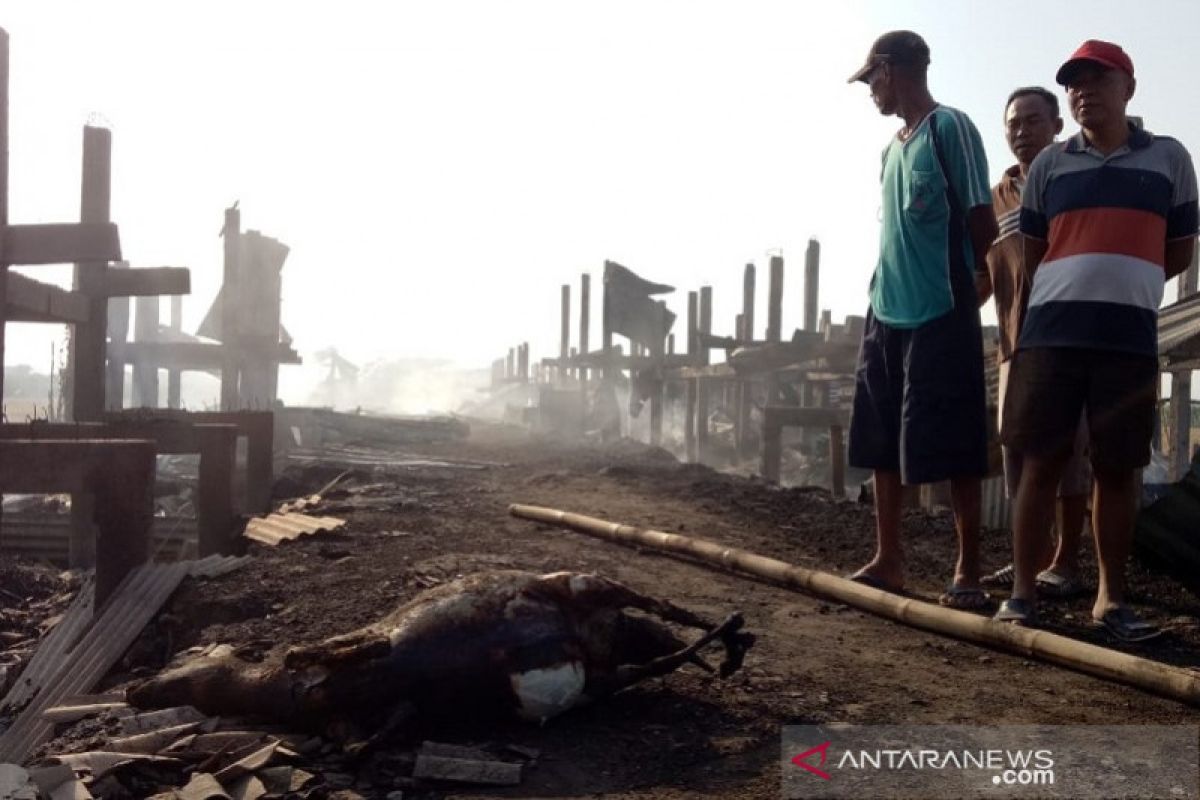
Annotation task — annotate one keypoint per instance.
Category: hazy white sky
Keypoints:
(440, 168)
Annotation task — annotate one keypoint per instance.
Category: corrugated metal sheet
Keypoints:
(133, 604)
(276, 528)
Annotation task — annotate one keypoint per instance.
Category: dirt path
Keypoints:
(688, 734)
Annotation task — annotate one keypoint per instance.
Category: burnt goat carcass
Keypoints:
(507, 642)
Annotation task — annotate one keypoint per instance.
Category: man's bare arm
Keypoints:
(1034, 251)
(1179, 255)
(981, 226)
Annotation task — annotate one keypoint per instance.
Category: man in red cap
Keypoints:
(1108, 216)
(920, 412)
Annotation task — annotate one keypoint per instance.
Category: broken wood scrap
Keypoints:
(463, 770)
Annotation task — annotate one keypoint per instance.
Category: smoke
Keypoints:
(408, 386)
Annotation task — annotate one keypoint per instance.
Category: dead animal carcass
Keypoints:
(507, 642)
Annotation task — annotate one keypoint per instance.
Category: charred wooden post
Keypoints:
(837, 462)
(214, 511)
(774, 321)
(585, 322)
(564, 341)
(745, 387)
(523, 362)
(174, 376)
(118, 332)
(690, 393)
(89, 339)
(703, 395)
(812, 277)
(703, 387)
(1181, 394)
(775, 301)
(145, 373)
(230, 332)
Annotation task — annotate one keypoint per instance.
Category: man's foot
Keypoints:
(1124, 624)
(1017, 611)
(1002, 578)
(1058, 585)
(965, 598)
(867, 578)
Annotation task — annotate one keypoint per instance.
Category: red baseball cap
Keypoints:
(1106, 54)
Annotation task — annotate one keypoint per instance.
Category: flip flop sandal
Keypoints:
(1052, 584)
(965, 598)
(1002, 578)
(1017, 612)
(1124, 624)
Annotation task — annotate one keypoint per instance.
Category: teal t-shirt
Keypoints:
(912, 279)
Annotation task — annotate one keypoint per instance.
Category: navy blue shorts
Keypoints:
(920, 404)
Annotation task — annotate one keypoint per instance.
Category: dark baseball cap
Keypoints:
(1095, 51)
(894, 47)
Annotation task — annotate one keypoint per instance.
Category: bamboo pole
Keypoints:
(1163, 679)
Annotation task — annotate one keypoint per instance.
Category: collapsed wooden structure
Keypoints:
(764, 385)
(105, 458)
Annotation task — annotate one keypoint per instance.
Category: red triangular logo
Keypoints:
(799, 760)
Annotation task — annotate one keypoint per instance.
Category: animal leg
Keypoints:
(338, 651)
(592, 591)
(401, 715)
(627, 675)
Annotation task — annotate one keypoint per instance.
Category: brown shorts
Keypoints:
(1049, 387)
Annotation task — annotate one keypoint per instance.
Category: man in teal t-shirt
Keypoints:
(919, 411)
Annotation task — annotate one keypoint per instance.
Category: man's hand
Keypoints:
(1179, 255)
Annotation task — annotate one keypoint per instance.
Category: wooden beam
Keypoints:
(148, 281)
(61, 243)
(34, 301)
(187, 356)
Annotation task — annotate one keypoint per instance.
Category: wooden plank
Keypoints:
(30, 300)
(61, 243)
(148, 281)
(188, 356)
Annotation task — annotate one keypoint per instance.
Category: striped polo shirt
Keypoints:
(1106, 221)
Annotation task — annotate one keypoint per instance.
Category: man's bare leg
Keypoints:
(887, 567)
(1113, 506)
(1032, 513)
(1071, 512)
(965, 501)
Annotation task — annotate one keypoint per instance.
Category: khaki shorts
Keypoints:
(1077, 474)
